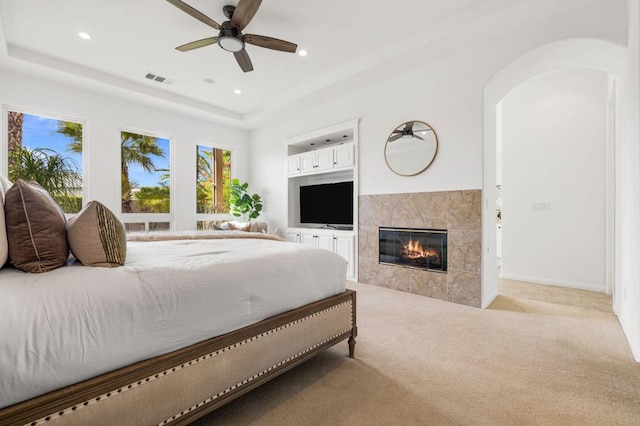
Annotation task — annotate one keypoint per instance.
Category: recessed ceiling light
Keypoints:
(84, 36)
(302, 52)
(208, 80)
(237, 92)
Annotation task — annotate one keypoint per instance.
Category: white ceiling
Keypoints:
(131, 38)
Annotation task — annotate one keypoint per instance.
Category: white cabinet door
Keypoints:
(343, 245)
(343, 156)
(293, 165)
(308, 238)
(293, 236)
(324, 159)
(307, 162)
(325, 241)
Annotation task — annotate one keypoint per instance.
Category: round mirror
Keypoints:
(411, 148)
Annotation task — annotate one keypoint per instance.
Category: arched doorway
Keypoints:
(568, 54)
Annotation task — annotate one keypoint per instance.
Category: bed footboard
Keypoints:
(181, 386)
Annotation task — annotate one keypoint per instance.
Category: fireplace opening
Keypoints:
(413, 248)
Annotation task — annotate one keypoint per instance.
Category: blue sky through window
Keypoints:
(41, 132)
(143, 178)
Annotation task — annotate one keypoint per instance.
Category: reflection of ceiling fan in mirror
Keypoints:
(407, 132)
(230, 37)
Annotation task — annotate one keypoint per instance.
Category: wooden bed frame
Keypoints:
(181, 386)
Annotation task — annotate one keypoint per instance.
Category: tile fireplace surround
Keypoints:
(460, 212)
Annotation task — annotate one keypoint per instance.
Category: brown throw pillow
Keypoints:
(35, 228)
(96, 237)
(4, 243)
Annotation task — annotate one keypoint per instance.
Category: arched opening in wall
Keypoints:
(535, 112)
(551, 182)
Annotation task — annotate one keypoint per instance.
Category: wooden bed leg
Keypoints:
(354, 329)
(352, 347)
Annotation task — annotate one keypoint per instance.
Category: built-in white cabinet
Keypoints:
(339, 242)
(324, 156)
(321, 160)
(343, 156)
(293, 235)
(293, 165)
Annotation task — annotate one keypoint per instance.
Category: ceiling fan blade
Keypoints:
(195, 13)
(243, 60)
(417, 137)
(409, 126)
(394, 138)
(198, 43)
(270, 43)
(244, 13)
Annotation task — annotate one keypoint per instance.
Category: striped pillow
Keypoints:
(35, 228)
(96, 237)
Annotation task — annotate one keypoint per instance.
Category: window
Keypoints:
(145, 173)
(48, 151)
(213, 179)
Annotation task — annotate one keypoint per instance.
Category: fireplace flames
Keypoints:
(414, 250)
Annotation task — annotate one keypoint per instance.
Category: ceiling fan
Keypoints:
(230, 37)
(406, 132)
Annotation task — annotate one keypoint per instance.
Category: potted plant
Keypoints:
(243, 204)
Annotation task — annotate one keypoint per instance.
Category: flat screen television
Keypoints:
(327, 204)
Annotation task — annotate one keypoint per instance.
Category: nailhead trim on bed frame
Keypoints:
(202, 358)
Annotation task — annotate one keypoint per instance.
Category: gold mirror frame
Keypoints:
(411, 148)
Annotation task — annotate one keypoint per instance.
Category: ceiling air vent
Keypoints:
(159, 78)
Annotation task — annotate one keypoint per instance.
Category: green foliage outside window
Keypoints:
(153, 199)
(142, 151)
(213, 180)
(32, 157)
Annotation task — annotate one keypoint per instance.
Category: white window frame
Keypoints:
(213, 217)
(4, 154)
(147, 218)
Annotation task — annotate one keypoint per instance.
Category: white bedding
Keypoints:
(73, 323)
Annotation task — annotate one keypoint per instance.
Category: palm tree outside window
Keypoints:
(48, 151)
(145, 173)
(213, 179)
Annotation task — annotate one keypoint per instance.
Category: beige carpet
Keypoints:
(421, 361)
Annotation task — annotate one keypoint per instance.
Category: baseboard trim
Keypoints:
(634, 344)
(489, 298)
(559, 283)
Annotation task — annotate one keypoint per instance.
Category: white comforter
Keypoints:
(64, 326)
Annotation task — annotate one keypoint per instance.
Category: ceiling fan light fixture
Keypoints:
(231, 44)
(230, 39)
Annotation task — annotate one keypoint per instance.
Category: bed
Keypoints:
(186, 325)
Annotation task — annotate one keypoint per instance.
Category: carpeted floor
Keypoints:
(528, 359)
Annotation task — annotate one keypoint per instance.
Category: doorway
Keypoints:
(551, 180)
(570, 54)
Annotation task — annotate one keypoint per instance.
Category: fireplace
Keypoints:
(413, 248)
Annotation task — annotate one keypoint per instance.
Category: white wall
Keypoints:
(446, 93)
(105, 116)
(553, 180)
(627, 286)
